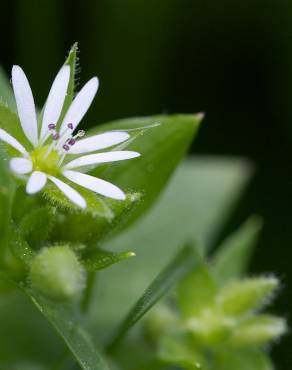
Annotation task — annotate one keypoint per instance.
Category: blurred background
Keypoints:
(232, 60)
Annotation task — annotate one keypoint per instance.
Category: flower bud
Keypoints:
(241, 297)
(259, 330)
(57, 273)
(210, 327)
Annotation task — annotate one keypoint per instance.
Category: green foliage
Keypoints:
(99, 259)
(161, 148)
(173, 272)
(51, 250)
(176, 348)
(216, 323)
(66, 322)
(233, 255)
(196, 290)
(36, 226)
(242, 360)
(9, 122)
(6, 93)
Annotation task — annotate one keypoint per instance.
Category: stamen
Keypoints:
(62, 139)
(50, 148)
(66, 147)
(71, 141)
(51, 127)
(56, 136)
(61, 159)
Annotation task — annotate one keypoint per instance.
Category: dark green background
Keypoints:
(230, 59)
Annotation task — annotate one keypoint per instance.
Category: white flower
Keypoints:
(49, 158)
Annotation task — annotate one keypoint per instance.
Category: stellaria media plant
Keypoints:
(65, 204)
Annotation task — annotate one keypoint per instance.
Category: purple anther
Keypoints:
(51, 126)
(66, 147)
(71, 141)
(70, 126)
(56, 136)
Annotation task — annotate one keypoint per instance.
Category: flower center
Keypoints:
(45, 160)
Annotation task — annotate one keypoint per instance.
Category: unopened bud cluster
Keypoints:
(225, 327)
(233, 317)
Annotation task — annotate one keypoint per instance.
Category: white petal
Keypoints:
(4, 136)
(97, 185)
(98, 142)
(91, 159)
(20, 165)
(36, 182)
(80, 104)
(55, 100)
(25, 104)
(69, 192)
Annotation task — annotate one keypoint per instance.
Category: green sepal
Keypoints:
(101, 217)
(241, 297)
(258, 330)
(19, 247)
(100, 259)
(233, 255)
(96, 206)
(197, 290)
(210, 327)
(36, 226)
(178, 348)
(72, 62)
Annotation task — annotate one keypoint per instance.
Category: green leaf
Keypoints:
(26, 337)
(66, 322)
(7, 191)
(169, 276)
(195, 206)
(161, 148)
(99, 259)
(243, 360)
(233, 255)
(196, 291)
(6, 92)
